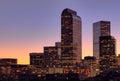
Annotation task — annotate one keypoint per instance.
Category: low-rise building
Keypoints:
(52, 55)
(37, 59)
(91, 61)
(8, 61)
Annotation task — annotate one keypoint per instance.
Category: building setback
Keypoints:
(107, 53)
(71, 37)
(52, 55)
(101, 28)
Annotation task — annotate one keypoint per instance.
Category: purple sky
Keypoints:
(28, 25)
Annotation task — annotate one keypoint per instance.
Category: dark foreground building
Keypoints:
(8, 61)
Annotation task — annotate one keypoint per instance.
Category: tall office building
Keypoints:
(101, 28)
(107, 53)
(71, 37)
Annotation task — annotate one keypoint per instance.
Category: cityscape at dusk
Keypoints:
(27, 26)
(59, 40)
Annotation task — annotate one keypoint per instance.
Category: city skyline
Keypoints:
(27, 27)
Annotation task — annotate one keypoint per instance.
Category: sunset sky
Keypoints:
(28, 25)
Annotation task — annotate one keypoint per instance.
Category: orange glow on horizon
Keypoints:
(21, 52)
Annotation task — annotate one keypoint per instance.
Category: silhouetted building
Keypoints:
(107, 53)
(52, 55)
(37, 59)
(109, 75)
(101, 28)
(8, 61)
(71, 37)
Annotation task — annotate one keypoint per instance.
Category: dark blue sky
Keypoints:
(28, 25)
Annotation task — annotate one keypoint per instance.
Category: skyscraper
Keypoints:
(101, 28)
(107, 53)
(71, 37)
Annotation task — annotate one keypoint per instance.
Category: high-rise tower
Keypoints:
(71, 37)
(107, 53)
(101, 28)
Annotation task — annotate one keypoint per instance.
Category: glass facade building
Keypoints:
(107, 53)
(71, 37)
(101, 28)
